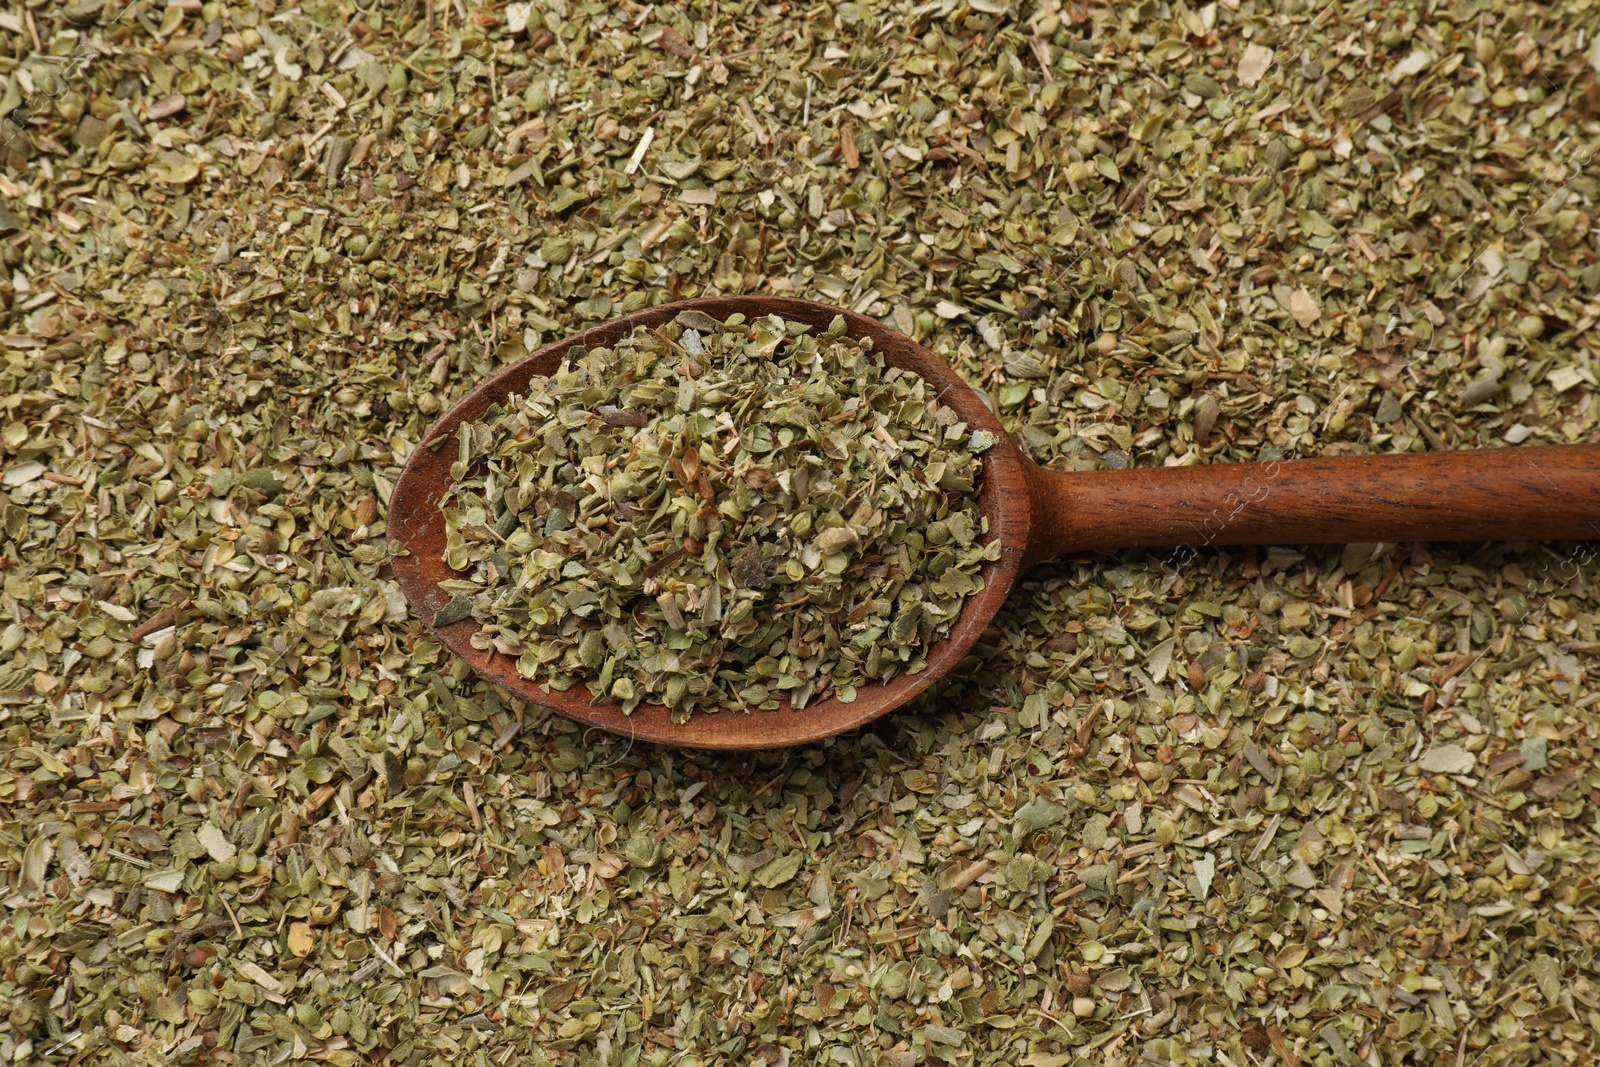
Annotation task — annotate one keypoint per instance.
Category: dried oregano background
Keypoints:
(1216, 807)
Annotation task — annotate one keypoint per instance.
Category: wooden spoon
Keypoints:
(1505, 493)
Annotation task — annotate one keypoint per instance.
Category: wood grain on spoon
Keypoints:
(1516, 494)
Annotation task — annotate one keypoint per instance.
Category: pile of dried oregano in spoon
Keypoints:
(717, 515)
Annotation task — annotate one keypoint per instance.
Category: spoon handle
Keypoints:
(1518, 494)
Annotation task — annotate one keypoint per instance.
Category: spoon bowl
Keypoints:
(1546, 492)
(416, 522)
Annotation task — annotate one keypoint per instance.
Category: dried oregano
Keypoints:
(718, 515)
